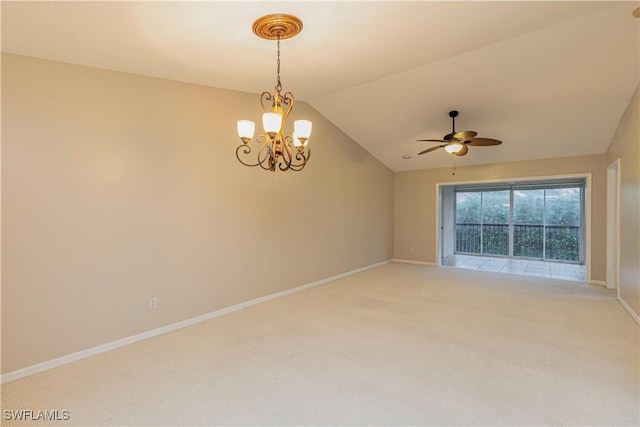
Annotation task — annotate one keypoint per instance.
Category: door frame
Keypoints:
(613, 226)
(587, 211)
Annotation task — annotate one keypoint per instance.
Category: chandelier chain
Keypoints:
(278, 85)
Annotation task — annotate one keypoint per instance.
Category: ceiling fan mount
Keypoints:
(458, 143)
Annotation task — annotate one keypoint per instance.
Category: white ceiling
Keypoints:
(550, 79)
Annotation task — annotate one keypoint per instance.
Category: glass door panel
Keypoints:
(495, 222)
(528, 223)
(468, 217)
(562, 221)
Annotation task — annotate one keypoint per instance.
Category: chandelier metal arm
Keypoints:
(265, 155)
(266, 97)
(302, 158)
(287, 156)
(285, 168)
(246, 150)
(287, 100)
(299, 160)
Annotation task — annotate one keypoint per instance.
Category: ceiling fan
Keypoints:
(458, 142)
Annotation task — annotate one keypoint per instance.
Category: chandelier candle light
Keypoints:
(275, 149)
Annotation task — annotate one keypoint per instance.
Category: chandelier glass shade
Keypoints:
(275, 149)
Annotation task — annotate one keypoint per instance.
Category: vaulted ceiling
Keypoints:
(549, 79)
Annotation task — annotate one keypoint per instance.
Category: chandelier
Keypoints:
(275, 150)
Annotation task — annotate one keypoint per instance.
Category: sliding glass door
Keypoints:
(539, 222)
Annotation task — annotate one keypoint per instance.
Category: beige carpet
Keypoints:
(398, 345)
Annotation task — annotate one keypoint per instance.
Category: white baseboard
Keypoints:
(410, 261)
(54, 363)
(632, 313)
(597, 282)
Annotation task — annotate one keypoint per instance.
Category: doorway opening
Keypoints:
(525, 227)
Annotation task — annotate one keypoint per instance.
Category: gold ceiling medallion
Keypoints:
(275, 149)
(270, 27)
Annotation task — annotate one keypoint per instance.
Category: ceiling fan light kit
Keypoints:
(458, 143)
(453, 147)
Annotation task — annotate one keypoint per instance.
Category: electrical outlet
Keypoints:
(153, 303)
(411, 250)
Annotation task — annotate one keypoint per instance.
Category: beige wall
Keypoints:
(626, 147)
(415, 202)
(117, 188)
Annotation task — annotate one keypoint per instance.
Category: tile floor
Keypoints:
(555, 270)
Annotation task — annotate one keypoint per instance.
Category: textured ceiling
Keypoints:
(550, 79)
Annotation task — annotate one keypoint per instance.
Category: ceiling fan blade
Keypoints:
(480, 142)
(464, 150)
(430, 140)
(431, 149)
(465, 135)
